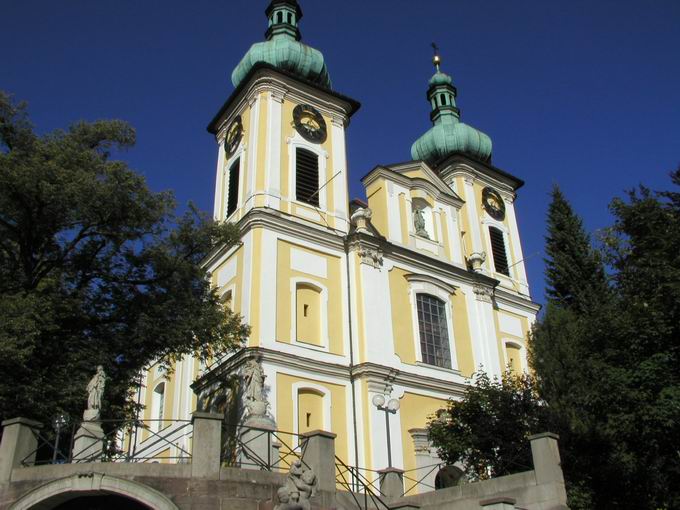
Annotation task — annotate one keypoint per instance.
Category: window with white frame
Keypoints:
(434, 331)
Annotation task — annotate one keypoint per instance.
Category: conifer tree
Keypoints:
(574, 271)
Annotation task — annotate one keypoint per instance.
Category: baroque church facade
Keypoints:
(399, 299)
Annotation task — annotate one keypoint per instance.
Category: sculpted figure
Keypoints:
(299, 489)
(95, 389)
(419, 223)
(254, 376)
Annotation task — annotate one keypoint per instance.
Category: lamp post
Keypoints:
(391, 408)
(58, 422)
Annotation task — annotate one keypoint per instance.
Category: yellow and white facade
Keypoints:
(398, 296)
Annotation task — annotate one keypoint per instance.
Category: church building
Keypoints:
(366, 317)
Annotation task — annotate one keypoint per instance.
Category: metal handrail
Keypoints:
(359, 484)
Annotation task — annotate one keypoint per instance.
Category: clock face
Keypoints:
(493, 204)
(309, 123)
(233, 138)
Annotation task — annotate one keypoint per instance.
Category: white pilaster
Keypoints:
(252, 157)
(268, 266)
(272, 179)
(517, 255)
(341, 182)
(219, 181)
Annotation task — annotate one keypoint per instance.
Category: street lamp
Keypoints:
(58, 422)
(391, 408)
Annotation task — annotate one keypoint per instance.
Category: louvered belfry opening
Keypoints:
(500, 259)
(232, 197)
(307, 177)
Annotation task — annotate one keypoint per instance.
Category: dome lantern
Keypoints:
(283, 48)
(449, 134)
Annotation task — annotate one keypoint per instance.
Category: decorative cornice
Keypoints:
(436, 187)
(423, 278)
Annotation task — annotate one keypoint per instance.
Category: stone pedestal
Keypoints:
(392, 483)
(19, 444)
(206, 445)
(88, 443)
(257, 442)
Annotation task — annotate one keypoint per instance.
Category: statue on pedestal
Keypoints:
(95, 391)
(419, 223)
(254, 398)
(299, 489)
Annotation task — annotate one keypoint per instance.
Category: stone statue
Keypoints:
(95, 390)
(419, 223)
(299, 489)
(254, 398)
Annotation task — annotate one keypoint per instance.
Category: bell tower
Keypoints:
(281, 135)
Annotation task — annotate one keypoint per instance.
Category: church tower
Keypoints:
(366, 318)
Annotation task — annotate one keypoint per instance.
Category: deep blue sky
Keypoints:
(581, 93)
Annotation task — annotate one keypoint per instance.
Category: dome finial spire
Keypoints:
(436, 60)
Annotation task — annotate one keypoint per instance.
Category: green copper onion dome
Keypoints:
(283, 48)
(449, 134)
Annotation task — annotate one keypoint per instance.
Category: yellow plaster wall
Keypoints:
(284, 299)
(376, 192)
(285, 408)
(523, 340)
(256, 284)
(236, 280)
(461, 330)
(402, 321)
(415, 411)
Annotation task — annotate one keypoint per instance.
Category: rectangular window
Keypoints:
(307, 177)
(434, 333)
(232, 198)
(500, 259)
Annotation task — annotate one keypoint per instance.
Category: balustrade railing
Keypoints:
(114, 441)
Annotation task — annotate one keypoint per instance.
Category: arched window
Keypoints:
(308, 314)
(500, 257)
(158, 405)
(310, 410)
(434, 332)
(513, 353)
(279, 17)
(232, 192)
(290, 18)
(307, 176)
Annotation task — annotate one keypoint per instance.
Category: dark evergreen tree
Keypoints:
(574, 272)
(94, 269)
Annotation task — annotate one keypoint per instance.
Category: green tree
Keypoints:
(95, 269)
(575, 275)
(488, 429)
